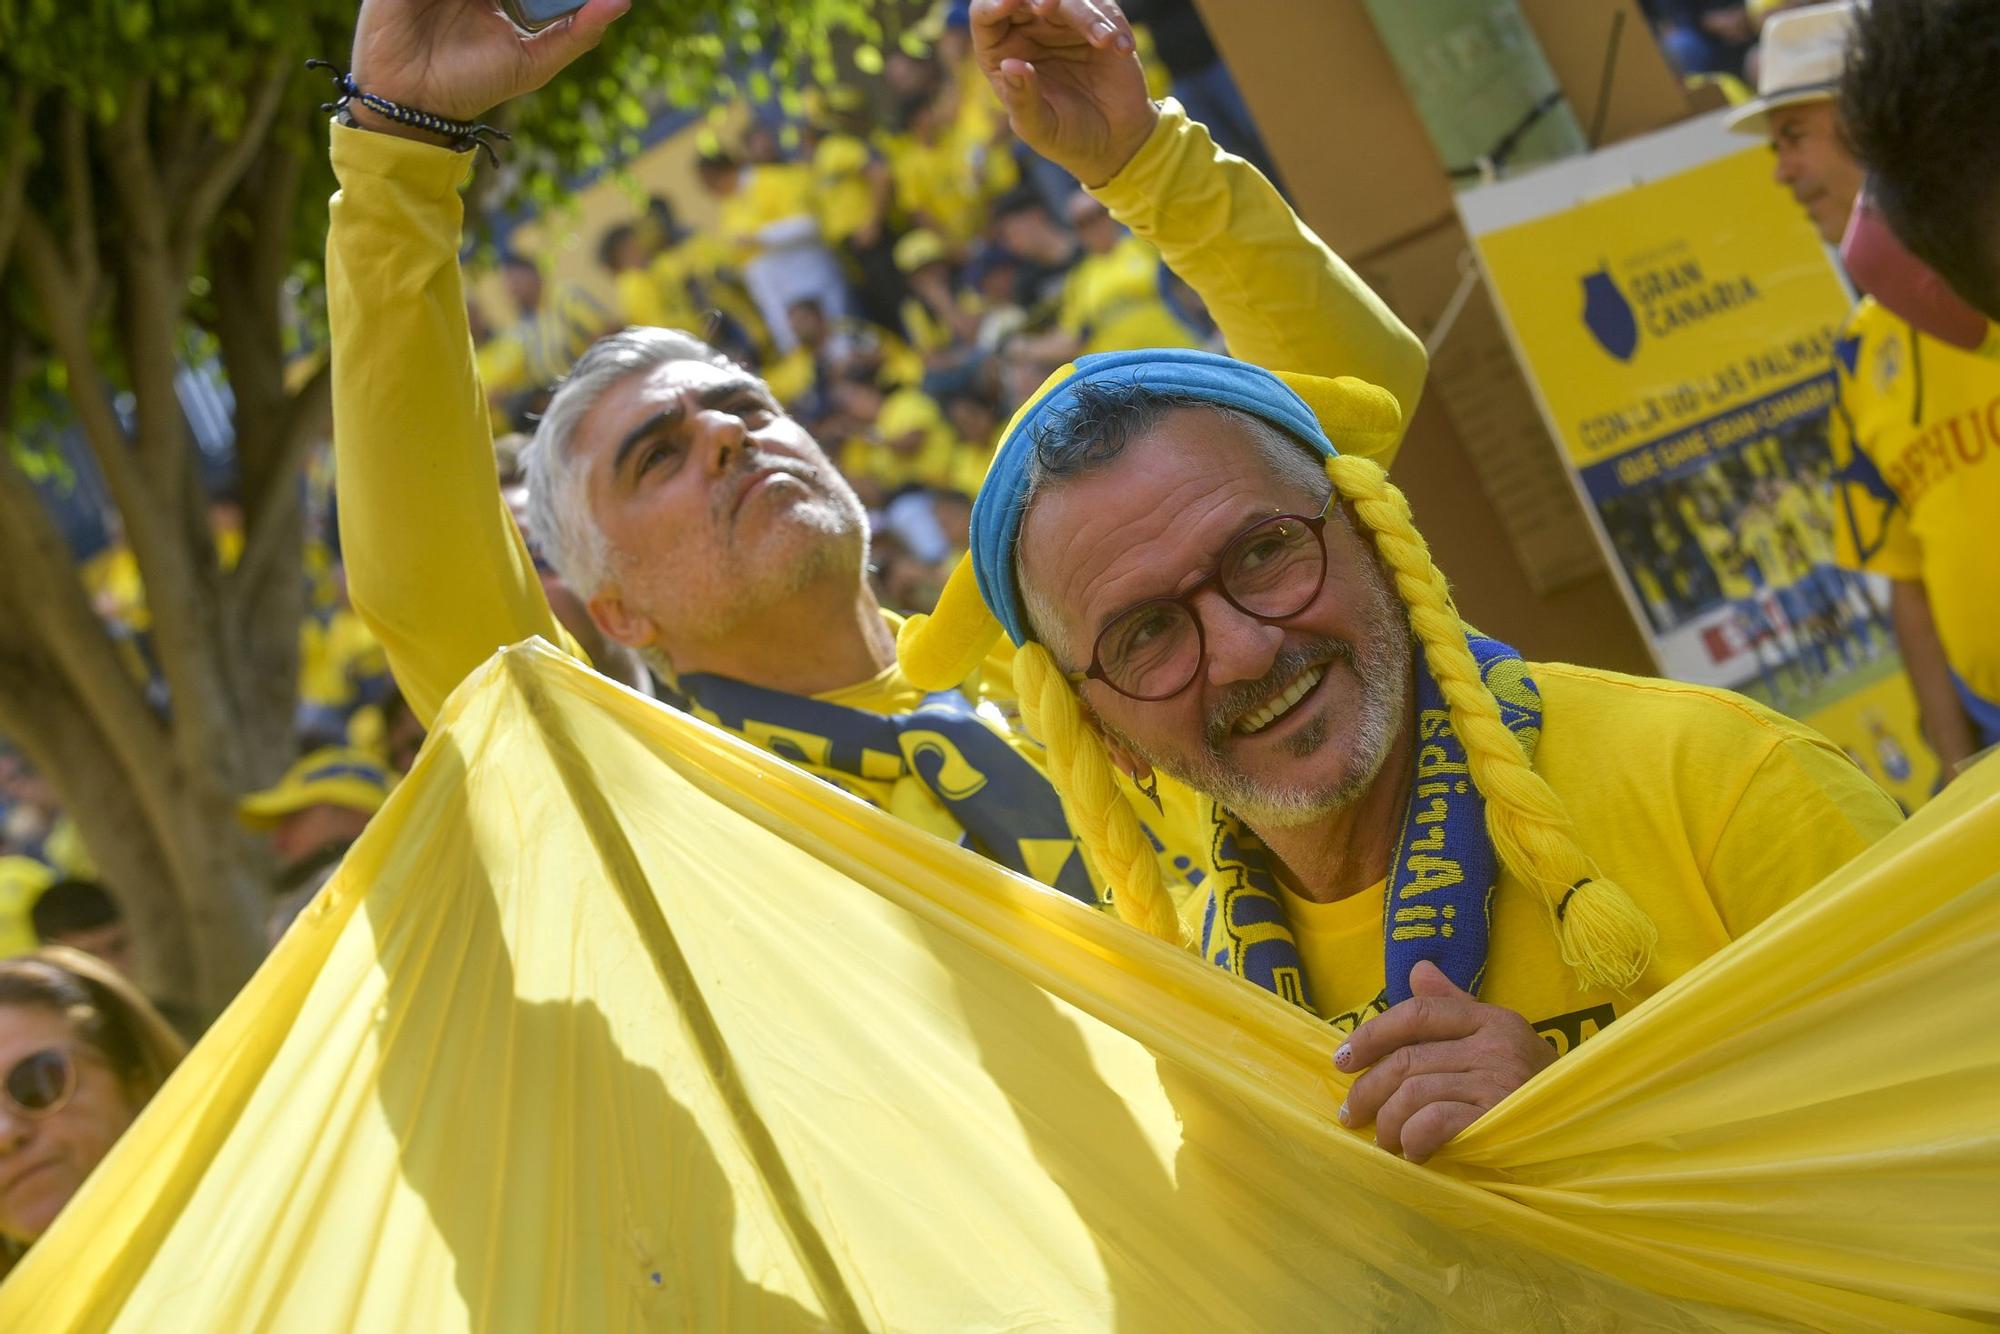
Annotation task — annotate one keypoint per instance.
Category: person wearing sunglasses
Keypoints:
(81, 1051)
(1464, 862)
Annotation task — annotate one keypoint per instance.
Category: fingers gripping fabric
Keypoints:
(1604, 935)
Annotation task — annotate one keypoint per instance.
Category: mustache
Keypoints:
(1245, 697)
(722, 497)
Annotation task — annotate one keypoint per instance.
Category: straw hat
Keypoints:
(1802, 56)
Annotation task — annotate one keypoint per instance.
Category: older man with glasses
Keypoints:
(1469, 862)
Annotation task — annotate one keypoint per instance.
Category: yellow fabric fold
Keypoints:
(613, 1022)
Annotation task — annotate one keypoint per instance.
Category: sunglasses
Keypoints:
(40, 1084)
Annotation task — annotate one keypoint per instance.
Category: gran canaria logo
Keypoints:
(1658, 299)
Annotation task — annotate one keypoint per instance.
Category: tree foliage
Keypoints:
(163, 188)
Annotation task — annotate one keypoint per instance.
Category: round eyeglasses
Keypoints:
(1154, 649)
(40, 1083)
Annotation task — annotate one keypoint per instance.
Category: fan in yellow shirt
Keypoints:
(913, 446)
(704, 528)
(1917, 443)
(945, 167)
(1112, 298)
(767, 216)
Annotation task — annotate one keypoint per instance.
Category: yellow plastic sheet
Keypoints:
(612, 1022)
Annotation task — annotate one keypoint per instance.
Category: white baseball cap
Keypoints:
(1803, 53)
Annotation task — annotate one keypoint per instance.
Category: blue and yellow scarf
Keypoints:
(1006, 807)
(1438, 905)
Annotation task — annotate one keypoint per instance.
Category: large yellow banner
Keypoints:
(1677, 315)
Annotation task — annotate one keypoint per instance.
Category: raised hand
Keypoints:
(1066, 72)
(461, 58)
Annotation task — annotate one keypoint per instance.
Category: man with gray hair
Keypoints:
(702, 526)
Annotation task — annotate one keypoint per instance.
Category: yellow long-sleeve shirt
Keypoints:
(434, 562)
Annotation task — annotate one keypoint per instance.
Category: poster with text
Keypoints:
(1676, 316)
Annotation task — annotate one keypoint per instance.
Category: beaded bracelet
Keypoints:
(465, 135)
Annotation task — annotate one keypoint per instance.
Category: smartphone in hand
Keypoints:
(534, 15)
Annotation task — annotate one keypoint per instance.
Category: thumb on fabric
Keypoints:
(1427, 979)
(1358, 417)
(941, 650)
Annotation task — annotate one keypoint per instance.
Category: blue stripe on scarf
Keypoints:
(1005, 805)
(1439, 899)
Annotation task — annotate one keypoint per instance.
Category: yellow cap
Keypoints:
(333, 776)
(917, 249)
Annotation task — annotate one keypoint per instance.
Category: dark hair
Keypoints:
(1101, 420)
(72, 905)
(609, 245)
(514, 261)
(1021, 200)
(1921, 108)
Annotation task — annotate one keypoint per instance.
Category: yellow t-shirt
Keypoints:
(947, 183)
(1710, 810)
(1925, 418)
(335, 656)
(1724, 557)
(1112, 301)
(770, 193)
(22, 880)
(842, 196)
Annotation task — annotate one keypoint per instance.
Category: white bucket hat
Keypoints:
(1803, 54)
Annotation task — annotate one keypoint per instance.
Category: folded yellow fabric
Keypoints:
(612, 1022)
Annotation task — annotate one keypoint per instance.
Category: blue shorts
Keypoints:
(1985, 713)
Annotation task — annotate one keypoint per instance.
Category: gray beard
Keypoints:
(1383, 669)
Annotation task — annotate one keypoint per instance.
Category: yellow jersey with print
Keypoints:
(1802, 508)
(945, 184)
(435, 564)
(767, 193)
(1916, 441)
(1711, 810)
(1113, 302)
(843, 199)
(1718, 546)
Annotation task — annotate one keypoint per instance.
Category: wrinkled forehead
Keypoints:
(637, 397)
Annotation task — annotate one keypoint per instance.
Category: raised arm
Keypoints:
(434, 563)
(1065, 71)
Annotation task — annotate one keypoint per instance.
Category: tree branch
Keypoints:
(59, 618)
(81, 202)
(304, 425)
(277, 207)
(154, 292)
(14, 176)
(205, 196)
(68, 323)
